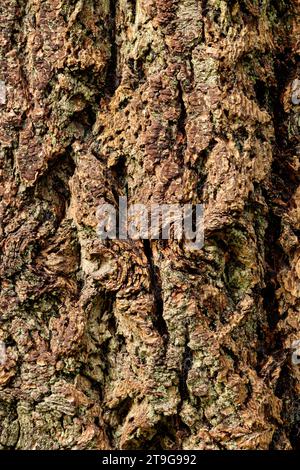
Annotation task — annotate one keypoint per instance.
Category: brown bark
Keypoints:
(145, 345)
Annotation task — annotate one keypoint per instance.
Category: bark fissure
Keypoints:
(123, 344)
(187, 363)
(156, 288)
(112, 76)
(133, 4)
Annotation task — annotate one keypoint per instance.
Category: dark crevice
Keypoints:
(282, 187)
(181, 130)
(164, 434)
(247, 11)
(140, 71)
(265, 94)
(291, 407)
(133, 4)
(183, 113)
(86, 117)
(273, 258)
(284, 181)
(241, 135)
(202, 174)
(181, 124)
(163, 439)
(159, 321)
(182, 432)
(109, 307)
(232, 356)
(272, 344)
(123, 409)
(112, 78)
(57, 177)
(119, 174)
(204, 7)
(187, 363)
(137, 68)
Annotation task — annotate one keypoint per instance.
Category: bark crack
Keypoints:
(156, 288)
(133, 4)
(183, 113)
(187, 363)
(112, 78)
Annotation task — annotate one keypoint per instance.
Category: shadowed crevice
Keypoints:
(156, 288)
(112, 79)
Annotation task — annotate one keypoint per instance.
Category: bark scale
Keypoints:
(145, 345)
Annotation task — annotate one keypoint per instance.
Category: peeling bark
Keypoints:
(143, 344)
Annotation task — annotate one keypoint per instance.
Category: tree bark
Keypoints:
(144, 344)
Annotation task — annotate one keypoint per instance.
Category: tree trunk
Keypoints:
(145, 344)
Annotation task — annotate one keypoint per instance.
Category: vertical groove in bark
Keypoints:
(156, 289)
(112, 79)
(139, 344)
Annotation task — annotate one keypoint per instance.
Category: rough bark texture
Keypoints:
(145, 345)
